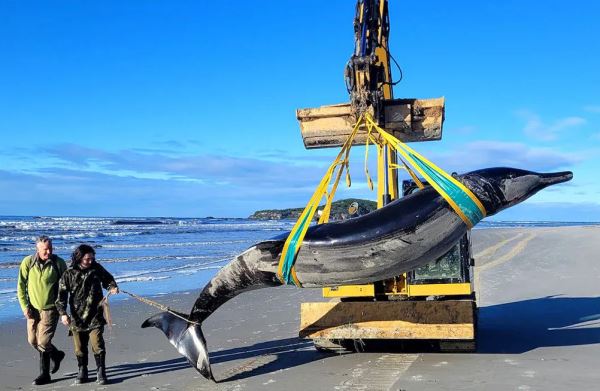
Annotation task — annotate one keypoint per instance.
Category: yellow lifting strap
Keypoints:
(460, 198)
(285, 270)
(371, 138)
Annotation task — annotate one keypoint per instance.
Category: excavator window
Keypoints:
(452, 267)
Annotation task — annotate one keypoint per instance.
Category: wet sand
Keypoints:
(538, 293)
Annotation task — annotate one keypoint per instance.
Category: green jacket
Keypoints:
(37, 285)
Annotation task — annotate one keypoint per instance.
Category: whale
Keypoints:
(397, 238)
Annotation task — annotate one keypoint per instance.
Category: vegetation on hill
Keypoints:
(339, 211)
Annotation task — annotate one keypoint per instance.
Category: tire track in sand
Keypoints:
(378, 375)
(488, 251)
(516, 250)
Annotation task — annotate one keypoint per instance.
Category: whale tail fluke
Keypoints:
(186, 337)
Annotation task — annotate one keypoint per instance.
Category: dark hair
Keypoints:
(80, 252)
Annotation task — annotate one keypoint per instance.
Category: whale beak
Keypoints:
(556, 177)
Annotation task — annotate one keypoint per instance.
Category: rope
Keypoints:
(161, 307)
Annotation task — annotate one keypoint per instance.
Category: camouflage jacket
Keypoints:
(83, 290)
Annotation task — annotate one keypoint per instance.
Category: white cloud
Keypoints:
(209, 181)
(205, 168)
(537, 129)
(223, 185)
(485, 153)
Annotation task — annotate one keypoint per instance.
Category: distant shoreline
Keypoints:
(157, 220)
(340, 210)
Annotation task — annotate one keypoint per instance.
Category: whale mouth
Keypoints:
(555, 177)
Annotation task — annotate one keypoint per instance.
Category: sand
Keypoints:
(537, 290)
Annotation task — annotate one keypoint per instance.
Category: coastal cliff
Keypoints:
(339, 211)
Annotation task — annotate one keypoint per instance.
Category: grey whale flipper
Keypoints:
(397, 238)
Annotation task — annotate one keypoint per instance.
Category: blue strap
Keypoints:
(464, 202)
(289, 259)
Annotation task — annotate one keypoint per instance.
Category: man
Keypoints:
(37, 289)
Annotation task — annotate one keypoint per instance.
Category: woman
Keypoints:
(82, 286)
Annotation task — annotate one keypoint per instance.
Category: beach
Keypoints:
(537, 291)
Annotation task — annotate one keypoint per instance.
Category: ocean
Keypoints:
(147, 256)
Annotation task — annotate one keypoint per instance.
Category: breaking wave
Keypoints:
(149, 255)
(140, 279)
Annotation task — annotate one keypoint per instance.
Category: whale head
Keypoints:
(502, 187)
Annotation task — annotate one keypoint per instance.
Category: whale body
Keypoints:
(401, 236)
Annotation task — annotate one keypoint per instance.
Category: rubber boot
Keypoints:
(44, 377)
(100, 368)
(56, 356)
(82, 375)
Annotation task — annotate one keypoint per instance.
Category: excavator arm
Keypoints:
(368, 75)
(369, 82)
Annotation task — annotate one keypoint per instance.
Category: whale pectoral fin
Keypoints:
(187, 339)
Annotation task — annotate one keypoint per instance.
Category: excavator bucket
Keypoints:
(408, 120)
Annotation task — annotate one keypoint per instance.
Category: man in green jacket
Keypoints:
(37, 290)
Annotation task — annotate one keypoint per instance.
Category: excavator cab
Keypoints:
(448, 276)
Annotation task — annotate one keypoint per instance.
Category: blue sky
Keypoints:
(155, 108)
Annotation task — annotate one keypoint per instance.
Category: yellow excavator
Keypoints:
(434, 303)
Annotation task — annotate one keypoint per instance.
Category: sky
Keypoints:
(187, 108)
